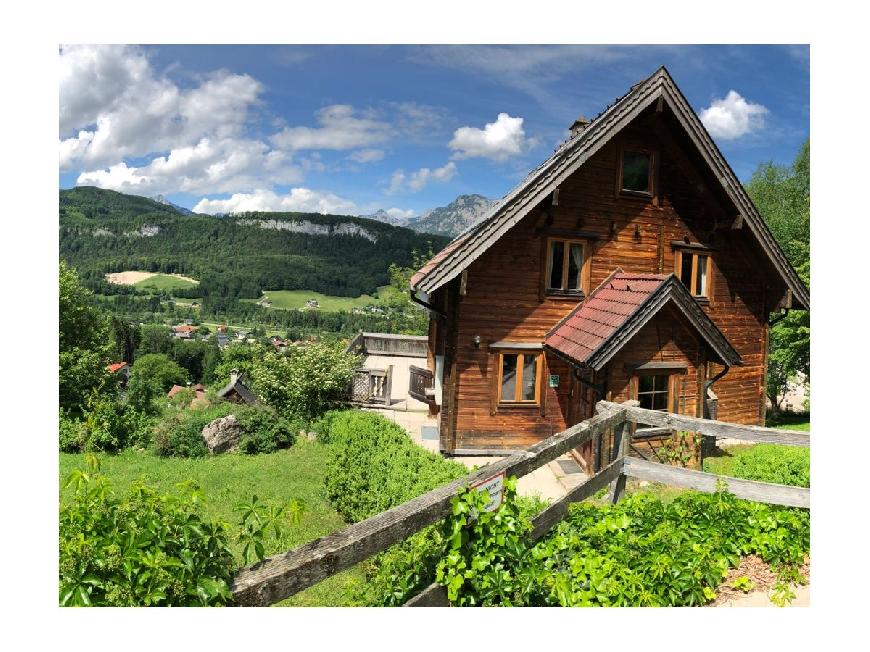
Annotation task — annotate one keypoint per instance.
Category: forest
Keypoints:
(233, 256)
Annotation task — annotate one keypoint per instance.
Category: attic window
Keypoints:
(636, 172)
(693, 269)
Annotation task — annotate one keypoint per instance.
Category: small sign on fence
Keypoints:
(495, 488)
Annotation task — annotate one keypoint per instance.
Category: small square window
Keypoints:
(636, 171)
(653, 391)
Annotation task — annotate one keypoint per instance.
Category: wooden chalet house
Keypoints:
(629, 265)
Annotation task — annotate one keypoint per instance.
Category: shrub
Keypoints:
(180, 433)
(265, 431)
(372, 465)
(151, 376)
(106, 425)
(307, 382)
(145, 548)
(766, 463)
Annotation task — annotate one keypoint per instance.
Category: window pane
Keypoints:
(645, 383)
(635, 171)
(701, 280)
(554, 274)
(646, 401)
(508, 376)
(661, 383)
(530, 373)
(660, 401)
(575, 262)
(686, 269)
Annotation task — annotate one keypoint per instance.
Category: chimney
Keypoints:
(579, 125)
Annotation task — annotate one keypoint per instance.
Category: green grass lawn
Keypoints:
(230, 479)
(294, 299)
(793, 422)
(165, 283)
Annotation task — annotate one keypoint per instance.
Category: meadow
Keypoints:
(295, 299)
(231, 479)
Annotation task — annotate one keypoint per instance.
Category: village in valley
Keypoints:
(311, 398)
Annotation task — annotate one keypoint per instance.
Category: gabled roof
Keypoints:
(578, 149)
(237, 386)
(617, 309)
(116, 366)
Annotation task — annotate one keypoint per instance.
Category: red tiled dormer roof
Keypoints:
(618, 308)
(116, 367)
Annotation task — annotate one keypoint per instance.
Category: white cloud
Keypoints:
(341, 127)
(209, 166)
(418, 180)
(366, 155)
(733, 116)
(497, 140)
(398, 213)
(114, 106)
(303, 200)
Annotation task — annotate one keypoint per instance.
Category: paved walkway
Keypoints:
(761, 599)
(549, 482)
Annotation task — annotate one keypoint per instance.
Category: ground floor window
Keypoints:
(519, 375)
(654, 392)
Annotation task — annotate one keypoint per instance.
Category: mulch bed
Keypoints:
(759, 574)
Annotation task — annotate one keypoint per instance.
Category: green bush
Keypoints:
(766, 463)
(180, 433)
(373, 465)
(305, 382)
(106, 425)
(263, 430)
(144, 548)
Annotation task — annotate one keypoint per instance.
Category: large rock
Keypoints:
(222, 434)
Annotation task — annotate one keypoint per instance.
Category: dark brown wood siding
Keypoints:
(504, 301)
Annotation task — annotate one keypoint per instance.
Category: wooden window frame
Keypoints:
(694, 252)
(521, 355)
(652, 181)
(672, 374)
(584, 269)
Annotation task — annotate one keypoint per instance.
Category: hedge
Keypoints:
(372, 464)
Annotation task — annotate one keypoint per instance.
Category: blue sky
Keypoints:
(353, 129)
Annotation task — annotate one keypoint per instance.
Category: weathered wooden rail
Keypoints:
(283, 575)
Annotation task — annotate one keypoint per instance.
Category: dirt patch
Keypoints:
(131, 278)
(759, 574)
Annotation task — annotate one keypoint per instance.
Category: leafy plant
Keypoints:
(257, 519)
(145, 548)
(681, 448)
(766, 463)
(743, 583)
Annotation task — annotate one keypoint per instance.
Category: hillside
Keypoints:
(454, 218)
(236, 256)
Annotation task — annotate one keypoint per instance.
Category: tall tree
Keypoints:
(782, 195)
(84, 343)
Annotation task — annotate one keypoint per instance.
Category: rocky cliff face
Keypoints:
(310, 228)
(454, 218)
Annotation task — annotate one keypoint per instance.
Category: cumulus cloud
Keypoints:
(366, 155)
(418, 180)
(341, 127)
(497, 140)
(303, 200)
(398, 213)
(209, 166)
(733, 116)
(114, 106)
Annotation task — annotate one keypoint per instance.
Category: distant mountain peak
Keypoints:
(160, 199)
(454, 218)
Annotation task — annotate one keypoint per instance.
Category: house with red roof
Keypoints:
(631, 264)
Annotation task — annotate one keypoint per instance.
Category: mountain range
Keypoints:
(450, 220)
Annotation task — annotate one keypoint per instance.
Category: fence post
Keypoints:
(622, 441)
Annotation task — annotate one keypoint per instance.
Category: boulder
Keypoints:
(222, 434)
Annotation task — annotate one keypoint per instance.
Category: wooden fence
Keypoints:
(285, 574)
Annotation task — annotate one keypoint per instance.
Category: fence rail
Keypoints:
(283, 575)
